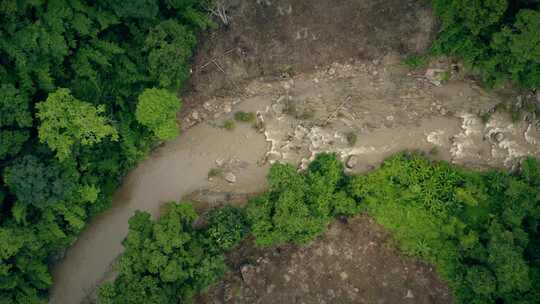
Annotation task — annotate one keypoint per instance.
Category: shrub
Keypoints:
(352, 138)
(215, 172)
(227, 226)
(416, 62)
(242, 116)
(229, 125)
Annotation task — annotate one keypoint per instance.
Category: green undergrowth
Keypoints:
(480, 229)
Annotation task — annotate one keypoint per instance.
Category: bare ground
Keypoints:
(274, 37)
(354, 262)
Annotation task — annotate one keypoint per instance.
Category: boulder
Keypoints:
(230, 177)
(352, 161)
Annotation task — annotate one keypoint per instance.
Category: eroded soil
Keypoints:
(274, 37)
(354, 262)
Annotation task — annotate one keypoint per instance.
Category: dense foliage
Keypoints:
(481, 230)
(227, 227)
(298, 207)
(499, 38)
(168, 260)
(71, 73)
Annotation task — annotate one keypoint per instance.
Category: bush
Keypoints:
(227, 226)
(229, 125)
(352, 138)
(242, 116)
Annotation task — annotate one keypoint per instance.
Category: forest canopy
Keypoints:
(74, 118)
(497, 38)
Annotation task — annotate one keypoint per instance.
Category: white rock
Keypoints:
(230, 177)
(227, 108)
(195, 115)
(409, 295)
(498, 137)
(352, 161)
(434, 76)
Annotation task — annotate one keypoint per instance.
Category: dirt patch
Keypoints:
(277, 37)
(353, 262)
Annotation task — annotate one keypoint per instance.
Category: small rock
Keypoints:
(270, 288)
(409, 295)
(498, 137)
(538, 96)
(331, 71)
(248, 274)
(278, 108)
(443, 111)
(195, 115)
(227, 108)
(272, 157)
(230, 177)
(207, 106)
(352, 161)
(343, 275)
(433, 76)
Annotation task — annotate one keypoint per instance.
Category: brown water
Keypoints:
(171, 172)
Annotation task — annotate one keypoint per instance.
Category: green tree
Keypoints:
(169, 46)
(66, 122)
(39, 184)
(157, 110)
(166, 261)
(14, 107)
